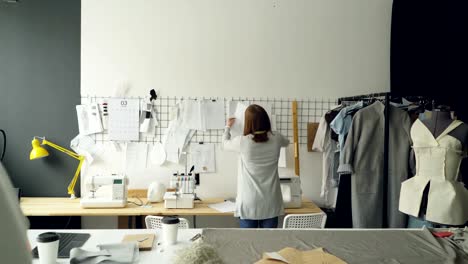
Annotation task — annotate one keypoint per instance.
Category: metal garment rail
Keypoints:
(387, 97)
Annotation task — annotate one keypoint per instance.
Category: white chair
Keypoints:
(303, 221)
(154, 222)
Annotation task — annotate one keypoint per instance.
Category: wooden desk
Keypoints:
(50, 206)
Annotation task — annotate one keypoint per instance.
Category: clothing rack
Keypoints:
(428, 103)
(361, 97)
(387, 97)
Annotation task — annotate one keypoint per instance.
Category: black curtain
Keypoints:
(429, 50)
(429, 53)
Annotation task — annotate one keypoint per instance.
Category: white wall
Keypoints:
(299, 48)
(284, 49)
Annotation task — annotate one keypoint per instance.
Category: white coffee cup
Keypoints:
(170, 226)
(47, 247)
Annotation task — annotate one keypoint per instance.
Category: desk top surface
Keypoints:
(61, 206)
(159, 253)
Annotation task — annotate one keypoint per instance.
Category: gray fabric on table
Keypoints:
(366, 246)
(460, 238)
(108, 253)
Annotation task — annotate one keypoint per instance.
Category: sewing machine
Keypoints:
(105, 191)
(178, 200)
(183, 193)
(291, 190)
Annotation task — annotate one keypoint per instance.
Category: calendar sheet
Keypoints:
(124, 119)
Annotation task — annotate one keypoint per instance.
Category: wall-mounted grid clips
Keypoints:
(309, 110)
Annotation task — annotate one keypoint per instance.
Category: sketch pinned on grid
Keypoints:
(279, 110)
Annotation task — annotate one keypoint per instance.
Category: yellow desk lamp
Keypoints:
(38, 152)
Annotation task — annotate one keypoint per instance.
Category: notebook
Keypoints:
(145, 241)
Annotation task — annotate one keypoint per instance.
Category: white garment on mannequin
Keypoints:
(437, 162)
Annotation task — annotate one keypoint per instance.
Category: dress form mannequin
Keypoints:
(440, 121)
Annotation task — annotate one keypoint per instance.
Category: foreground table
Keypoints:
(159, 253)
(363, 246)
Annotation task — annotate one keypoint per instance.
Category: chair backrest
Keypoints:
(154, 222)
(302, 221)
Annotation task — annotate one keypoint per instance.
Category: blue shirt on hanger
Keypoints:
(342, 123)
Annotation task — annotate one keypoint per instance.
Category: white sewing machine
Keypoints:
(178, 200)
(105, 191)
(184, 194)
(291, 190)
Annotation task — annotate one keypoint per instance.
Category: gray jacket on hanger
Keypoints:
(363, 157)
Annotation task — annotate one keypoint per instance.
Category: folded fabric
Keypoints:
(460, 238)
(294, 256)
(108, 253)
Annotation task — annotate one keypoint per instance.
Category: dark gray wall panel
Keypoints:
(39, 88)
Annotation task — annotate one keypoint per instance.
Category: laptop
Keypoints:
(66, 243)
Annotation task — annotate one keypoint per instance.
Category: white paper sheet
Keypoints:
(154, 118)
(89, 119)
(145, 117)
(148, 124)
(174, 112)
(273, 123)
(224, 207)
(136, 156)
(192, 117)
(213, 112)
(267, 106)
(124, 119)
(232, 106)
(276, 256)
(238, 128)
(203, 157)
(86, 146)
(203, 114)
(282, 158)
(175, 140)
(158, 154)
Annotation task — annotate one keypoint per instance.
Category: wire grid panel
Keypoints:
(309, 110)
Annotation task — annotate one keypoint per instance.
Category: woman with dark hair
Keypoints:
(259, 200)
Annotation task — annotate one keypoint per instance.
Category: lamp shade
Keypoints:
(37, 151)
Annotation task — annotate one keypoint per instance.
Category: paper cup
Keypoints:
(47, 247)
(170, 226)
